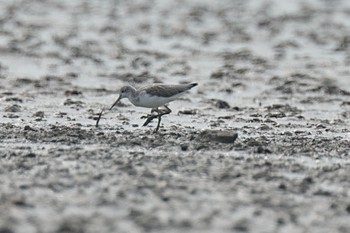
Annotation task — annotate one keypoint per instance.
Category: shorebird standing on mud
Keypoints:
(153, 96)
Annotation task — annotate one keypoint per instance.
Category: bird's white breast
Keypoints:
(150, 101)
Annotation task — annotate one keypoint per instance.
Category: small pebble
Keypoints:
(219, 136)
(188, 112)
(13, 108)
(184, 147)
(221, 104)
(27, 127)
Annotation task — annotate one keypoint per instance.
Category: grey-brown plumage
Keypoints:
(153, 96)
(167, 90)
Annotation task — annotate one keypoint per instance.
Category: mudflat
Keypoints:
(260, 145)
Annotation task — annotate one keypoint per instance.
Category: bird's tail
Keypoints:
(193, 85)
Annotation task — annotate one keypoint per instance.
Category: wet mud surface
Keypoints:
(261, 145)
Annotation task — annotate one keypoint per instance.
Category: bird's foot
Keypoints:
(160, 113)
(150, 117)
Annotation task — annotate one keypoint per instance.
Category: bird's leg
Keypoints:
(150, 117)
(160, 114)
(159, 119)
(166, 111)
(151, 114)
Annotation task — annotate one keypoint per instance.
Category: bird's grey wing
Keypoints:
(166, 90)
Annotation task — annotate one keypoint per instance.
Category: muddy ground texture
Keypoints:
(261, 145)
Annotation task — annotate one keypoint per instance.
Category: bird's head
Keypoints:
(125, 92)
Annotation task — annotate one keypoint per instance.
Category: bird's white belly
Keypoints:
(149, 101)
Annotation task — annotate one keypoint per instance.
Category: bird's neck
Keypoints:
(132, 94)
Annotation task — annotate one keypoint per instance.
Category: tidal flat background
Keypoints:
(275, 73)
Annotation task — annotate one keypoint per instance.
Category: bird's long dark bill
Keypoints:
(99, 117)
(115, 102)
